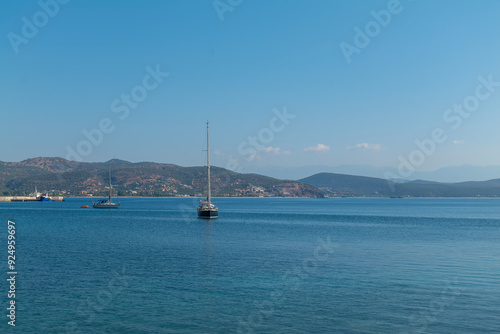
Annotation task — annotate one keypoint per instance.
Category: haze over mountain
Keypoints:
(451, 174)
(349, 185)
(70, 178)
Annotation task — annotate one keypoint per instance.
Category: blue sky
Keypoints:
(263, 56)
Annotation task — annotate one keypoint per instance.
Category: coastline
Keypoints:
(247, 197)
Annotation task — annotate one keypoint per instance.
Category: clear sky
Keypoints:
(357, 98)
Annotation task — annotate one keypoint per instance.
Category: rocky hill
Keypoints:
(70, 178)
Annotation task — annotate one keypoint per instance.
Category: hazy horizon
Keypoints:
(448, 174)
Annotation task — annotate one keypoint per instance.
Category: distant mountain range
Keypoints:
(450, 174)
(69, 178)
(349, 185)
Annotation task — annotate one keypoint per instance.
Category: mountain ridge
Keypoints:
(348, 185)
(70, 178)
(449, 174)
(73, 178)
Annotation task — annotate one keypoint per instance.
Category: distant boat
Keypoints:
(84, 206)
(36, 194)
(106, 203)
(206, 209)
(45, 198)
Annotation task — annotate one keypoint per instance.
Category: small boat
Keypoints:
(84, 206)
(206, 209)
(46, 198)
(106, 203)
(42, 197)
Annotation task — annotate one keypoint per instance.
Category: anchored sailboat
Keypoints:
(106, 203)
(207, 209)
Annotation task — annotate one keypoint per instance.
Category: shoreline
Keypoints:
(247, 197)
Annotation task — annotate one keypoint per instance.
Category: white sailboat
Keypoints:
(207, 209)
(106, 203)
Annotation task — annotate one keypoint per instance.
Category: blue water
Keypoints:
(265, 266)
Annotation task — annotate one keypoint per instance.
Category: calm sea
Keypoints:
(265, 266)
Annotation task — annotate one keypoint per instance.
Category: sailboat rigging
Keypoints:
(107, 203)
(207, 209)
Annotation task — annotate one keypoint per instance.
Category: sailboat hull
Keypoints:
(106, 205)
(208, 214)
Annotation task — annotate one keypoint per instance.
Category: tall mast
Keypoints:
(208, 168)
(109, 167)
